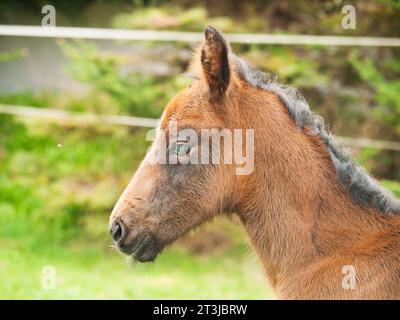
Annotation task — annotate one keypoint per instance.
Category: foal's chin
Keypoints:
(147, 250)
(144, 248)
(148, 256)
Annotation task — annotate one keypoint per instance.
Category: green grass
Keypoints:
(89, 272)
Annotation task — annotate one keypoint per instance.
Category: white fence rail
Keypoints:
(83, 119)
(180, 36)
(77, 118)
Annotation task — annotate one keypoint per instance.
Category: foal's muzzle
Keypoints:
(142, 246)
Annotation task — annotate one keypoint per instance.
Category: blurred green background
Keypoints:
(58, 184)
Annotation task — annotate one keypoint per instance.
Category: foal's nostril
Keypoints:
(117, 231)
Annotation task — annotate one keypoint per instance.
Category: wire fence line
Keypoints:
(183, 36)
(84, 119)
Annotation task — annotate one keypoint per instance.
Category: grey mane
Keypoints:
(362, 187)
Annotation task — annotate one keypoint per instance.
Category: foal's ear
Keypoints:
(215, 64)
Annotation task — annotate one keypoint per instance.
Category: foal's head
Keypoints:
(166, 199)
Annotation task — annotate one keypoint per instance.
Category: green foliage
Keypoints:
(393, 3)
(39, 99)
(103, 73)
(171, 18)
(51, 177)
(367, 155)
(392, 186)
(285, 62)
(386, 89)
(13, 55)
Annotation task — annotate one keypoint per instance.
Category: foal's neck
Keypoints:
(292, 206)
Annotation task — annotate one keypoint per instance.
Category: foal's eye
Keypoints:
(182, 149)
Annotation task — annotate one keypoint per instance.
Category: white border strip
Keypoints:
(179, 36)
(77, 118)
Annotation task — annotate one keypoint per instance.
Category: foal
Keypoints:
(323, 228)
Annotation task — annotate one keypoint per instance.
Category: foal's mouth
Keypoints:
(143, 247)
